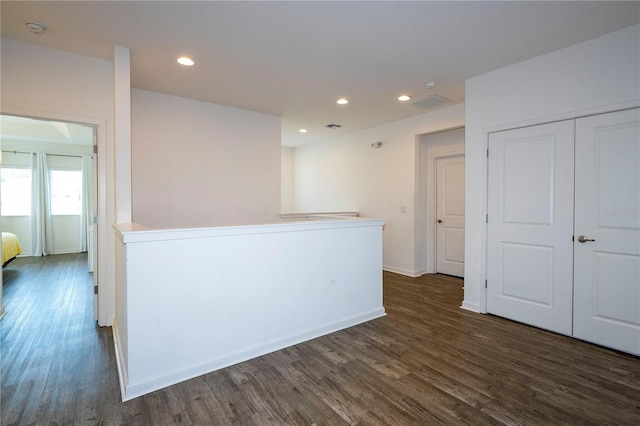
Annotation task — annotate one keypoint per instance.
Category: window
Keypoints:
(16, 191)
(66, 192)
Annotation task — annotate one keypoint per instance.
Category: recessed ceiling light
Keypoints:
(342, 101)
(404, 98)
(430, 84)
(186, 61)
(303, 130)
(35, 27)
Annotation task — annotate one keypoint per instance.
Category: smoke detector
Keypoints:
(35, 27)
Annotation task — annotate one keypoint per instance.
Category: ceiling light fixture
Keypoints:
(404, 98)
(35, 27)
(430, 84)
(186, 61)
(342, 101)
(303, 130)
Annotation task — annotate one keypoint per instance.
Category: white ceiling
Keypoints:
(295, 58)
(22, 129)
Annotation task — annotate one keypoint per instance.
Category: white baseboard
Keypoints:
(406, 272)
(69, 251)
(134, 390)
(120, 364)
(473, 307)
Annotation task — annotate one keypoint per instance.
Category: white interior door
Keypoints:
(530, 225)
(607, 269)
(450, 215)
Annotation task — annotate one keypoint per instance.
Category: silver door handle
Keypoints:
(583, 239)
(439, 220)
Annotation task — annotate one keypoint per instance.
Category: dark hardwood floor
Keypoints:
(426, 362)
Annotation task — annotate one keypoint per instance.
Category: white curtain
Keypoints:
(86, 217)
(41, 228)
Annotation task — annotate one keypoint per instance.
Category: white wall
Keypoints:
(21, 226)
(286, 180)
(200, 164)
(49, 83)
(250, 290)
(595, 76)
(347, 174)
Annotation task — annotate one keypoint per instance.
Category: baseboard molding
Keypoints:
(67, 251)
(473, 307)
(406, 272)
(120, 364)
(134, 390)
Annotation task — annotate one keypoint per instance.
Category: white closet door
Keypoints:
(607, 270)
(450, 215)
(530, 224)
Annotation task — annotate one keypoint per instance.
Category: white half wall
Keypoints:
(201, 164)
(347, 174)
(595, 76)
(250, 290)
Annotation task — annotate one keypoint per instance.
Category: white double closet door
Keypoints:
(563, 227)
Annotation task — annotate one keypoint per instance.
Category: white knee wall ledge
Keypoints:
(191, 301)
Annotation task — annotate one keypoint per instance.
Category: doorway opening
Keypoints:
(50, 188)
(446, 147)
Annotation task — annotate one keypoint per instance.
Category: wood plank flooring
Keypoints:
(427, 362)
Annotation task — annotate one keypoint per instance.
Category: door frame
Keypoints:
(425, 234)
(100, 175)
(476, 281)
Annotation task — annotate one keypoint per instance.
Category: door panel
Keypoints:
(536, 287)
(530, 224)
(607, 270)
(450, 214)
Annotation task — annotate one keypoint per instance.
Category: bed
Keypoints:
(10, 247)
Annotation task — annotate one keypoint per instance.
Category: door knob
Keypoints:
(583, 239)
(439, 220)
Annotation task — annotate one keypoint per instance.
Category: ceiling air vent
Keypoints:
(333, 126)
(432, 102)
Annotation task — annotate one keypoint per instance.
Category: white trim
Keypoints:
(572, 115)
(70, 251)
(472, 307)
(136, 233)
(401, 271)
(103, 175)
(121, 365)
(289, 216)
